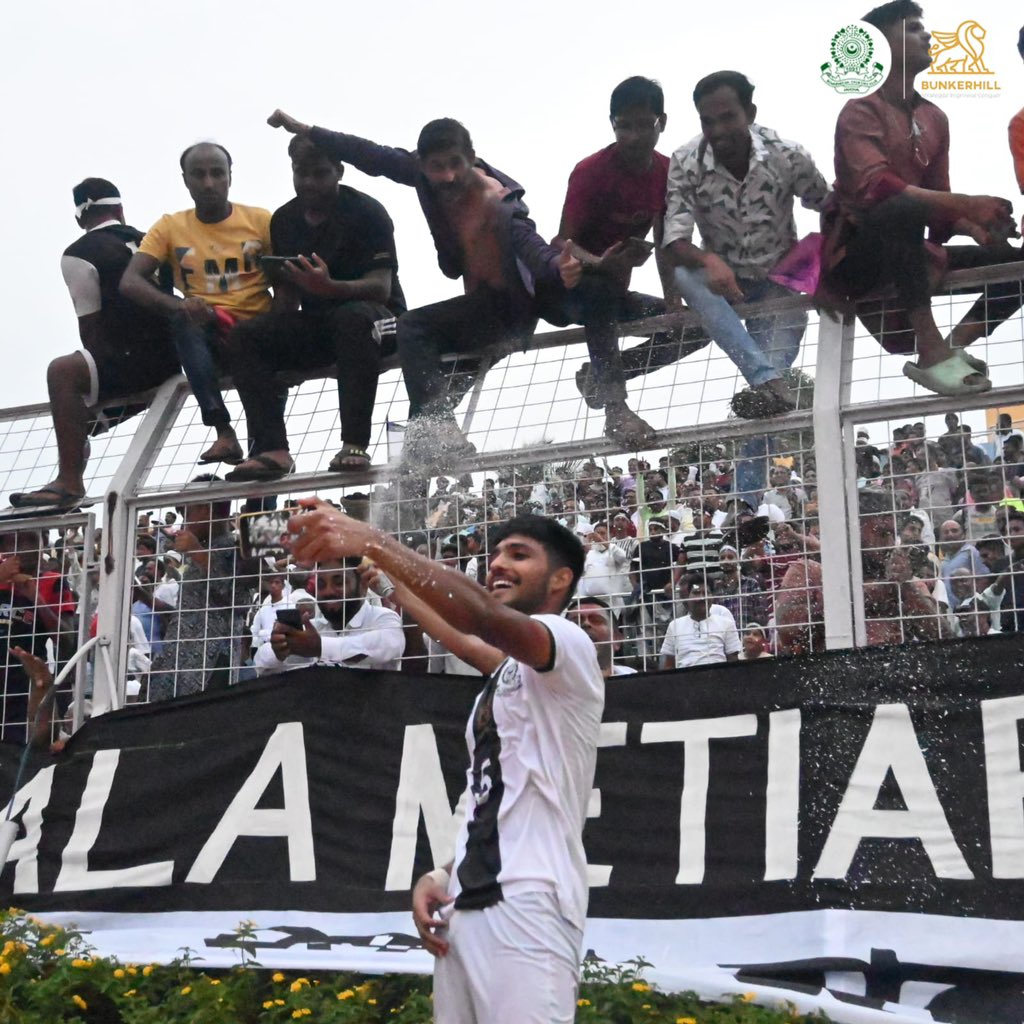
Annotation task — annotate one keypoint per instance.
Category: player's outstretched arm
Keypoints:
(321, 533)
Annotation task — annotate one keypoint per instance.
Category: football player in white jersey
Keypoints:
(505, 917)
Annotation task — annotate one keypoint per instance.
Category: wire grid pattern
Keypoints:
(877, 375)
(44, 594)
(941, 527)
(525, 400)
(28, 450)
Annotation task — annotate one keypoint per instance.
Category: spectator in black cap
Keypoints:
(125, 350)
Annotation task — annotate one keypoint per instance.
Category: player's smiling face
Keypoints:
(519, 573)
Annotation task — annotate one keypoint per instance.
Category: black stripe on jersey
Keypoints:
(479, 868)
(554, 651)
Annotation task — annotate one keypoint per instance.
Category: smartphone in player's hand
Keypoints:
(263, 534)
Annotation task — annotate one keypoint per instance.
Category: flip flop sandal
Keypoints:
(948, 377)
(350, 459)
(231, 456)
(265, 468)
(980, 366)
(57, 497)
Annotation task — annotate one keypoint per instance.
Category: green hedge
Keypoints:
(49, 974)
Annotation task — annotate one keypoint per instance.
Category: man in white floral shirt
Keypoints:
(736, 183)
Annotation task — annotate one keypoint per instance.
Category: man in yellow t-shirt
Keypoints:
(214, 251)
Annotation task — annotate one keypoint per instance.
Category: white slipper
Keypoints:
(948, 377)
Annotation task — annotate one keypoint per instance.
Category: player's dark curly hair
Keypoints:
(562, 546)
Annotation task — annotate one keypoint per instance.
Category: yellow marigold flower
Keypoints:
(132, 970)
(296, 986)
(185, 991)
(148, 970)
(639, 986)
(347, 994)
(279, 1002)
(686, 1020)
(80, 1002)
(748, 997)
(130, 992)
(119, 973)
(59, 952)
(213, 981)
(645, 1006)
(21, 947)
(268, 1004)
(5, 968)
(277, 976)
(8, 947)
(48, 940)
(582, 1002)
(365, 987)
(371, 1002)
(80, 962)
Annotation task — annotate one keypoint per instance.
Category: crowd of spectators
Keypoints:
(681, 568)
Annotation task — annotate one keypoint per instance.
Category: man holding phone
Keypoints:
(346, 630)
(614, 198)
(341, 267)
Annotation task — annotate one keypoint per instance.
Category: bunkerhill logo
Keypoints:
(858, 58)
(958, 63)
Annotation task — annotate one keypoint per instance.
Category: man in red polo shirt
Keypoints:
(614, 198)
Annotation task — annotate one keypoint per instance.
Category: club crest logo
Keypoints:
(858, 60)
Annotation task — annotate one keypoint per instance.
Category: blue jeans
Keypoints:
(761, 349)
(195, 347)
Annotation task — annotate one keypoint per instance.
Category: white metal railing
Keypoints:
(854, 384)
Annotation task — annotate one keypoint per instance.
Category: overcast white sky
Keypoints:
(118, 89)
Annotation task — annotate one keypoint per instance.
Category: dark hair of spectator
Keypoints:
(739, 83)
(220, 510)
(889, 14)
(638, 92)
(302, 149)
(561, 545)
(1020, 42)
(444, 133)
(695, 579)
(207, 142)
(94, 188)
(147, 542)
(589, 599)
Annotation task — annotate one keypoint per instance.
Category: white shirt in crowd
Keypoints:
(373, 631)
(702, 641)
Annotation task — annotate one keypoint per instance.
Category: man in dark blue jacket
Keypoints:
(483, 233)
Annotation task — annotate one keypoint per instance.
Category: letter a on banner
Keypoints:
(891, 744)
(285, 750)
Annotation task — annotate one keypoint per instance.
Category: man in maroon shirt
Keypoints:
(892, 183)
(615, 196)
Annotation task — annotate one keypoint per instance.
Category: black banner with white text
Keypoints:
(844, 830)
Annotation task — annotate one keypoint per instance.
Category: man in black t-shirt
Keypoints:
(345, 277)
(125, 349)
(654, 570)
